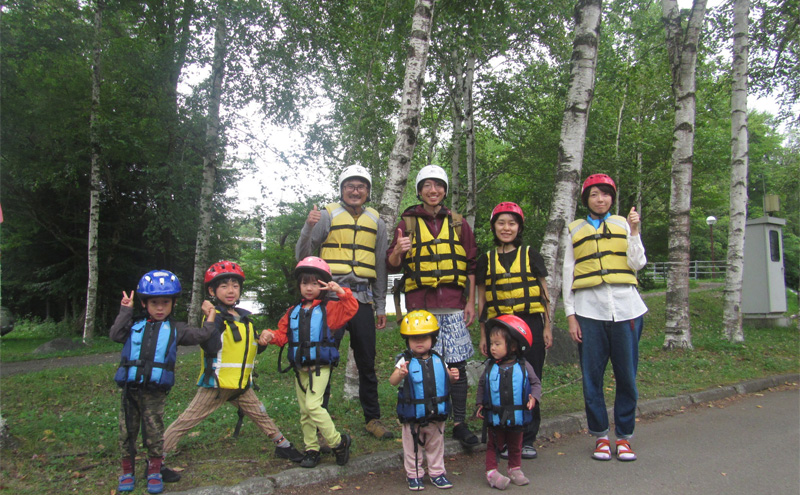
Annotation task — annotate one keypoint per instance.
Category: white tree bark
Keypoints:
(457, 99)
(682, 49)
(210, 159)
(587, 17)
(408, 127)
(94, 193)
(469, 134)
(732, 313)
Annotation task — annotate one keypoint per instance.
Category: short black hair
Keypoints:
(606, 188)
(517, 242)
(220, 280)
(512, 347)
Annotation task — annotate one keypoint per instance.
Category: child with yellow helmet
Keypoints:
(423, 398)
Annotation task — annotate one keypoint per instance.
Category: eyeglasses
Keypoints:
(355, 187)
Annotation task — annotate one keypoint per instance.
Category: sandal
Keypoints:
(602, 450)
(154, 483)
(126, 482)
(624, 451)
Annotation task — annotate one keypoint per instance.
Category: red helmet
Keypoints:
(506, 207)
(223, 269)
(516, 326)
(315, 265)
(595, 180)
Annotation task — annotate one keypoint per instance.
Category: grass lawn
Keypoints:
(64, 421)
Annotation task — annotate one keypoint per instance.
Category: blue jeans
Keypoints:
(619, 341)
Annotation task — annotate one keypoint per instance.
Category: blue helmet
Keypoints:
(159, 283)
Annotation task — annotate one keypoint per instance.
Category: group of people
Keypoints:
(344, 256)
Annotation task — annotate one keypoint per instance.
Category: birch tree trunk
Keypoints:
(457, 98)
(682, 49)
(94, 193)
(732, 312)
(408, 126)
(210, 159)
(469, 131)
(587, 17)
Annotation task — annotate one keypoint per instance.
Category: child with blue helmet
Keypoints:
(147, 369)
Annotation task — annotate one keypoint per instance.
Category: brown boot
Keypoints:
(378, 430)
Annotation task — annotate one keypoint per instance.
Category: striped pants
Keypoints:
(208, 400)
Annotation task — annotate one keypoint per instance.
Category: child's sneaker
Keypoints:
(497, 480)
(126, 482)
(289, 452)
(415, 484)
(441, 482)
(342, 451)
(310, 460)
(517, 477)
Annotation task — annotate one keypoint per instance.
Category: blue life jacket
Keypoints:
(505, 395)
(424, 395)
(148, 357)
(311, 342)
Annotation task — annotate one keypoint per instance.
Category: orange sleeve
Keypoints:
(280, 338)
(343, 310)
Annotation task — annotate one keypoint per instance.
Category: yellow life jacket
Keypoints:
(601, 254)
(512, 291)
(232, 366)
(350, 246)
(433, 261)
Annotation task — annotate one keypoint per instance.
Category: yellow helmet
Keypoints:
(418, 323)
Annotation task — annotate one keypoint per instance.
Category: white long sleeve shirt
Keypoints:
(604, 302)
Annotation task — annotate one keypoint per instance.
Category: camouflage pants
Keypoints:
(142, 409)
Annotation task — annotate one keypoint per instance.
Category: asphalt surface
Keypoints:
(743, 439)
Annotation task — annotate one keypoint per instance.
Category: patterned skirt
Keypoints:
(454, 342)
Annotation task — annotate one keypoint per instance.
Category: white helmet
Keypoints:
(433, 172)
(354, 171)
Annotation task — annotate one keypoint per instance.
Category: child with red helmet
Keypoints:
(228, 358)
(306, 328)
(511, 279)
(147, 369)
(507, 392)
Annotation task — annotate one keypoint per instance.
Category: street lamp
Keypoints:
(711, 221)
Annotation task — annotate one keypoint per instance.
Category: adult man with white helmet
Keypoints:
(351, 238)
(436, 252)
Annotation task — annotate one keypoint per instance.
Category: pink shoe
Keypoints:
(497, 480)
(517, 477)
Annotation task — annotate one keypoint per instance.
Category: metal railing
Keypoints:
(697, 269)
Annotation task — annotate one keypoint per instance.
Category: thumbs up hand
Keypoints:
(403, 244)
(313, 216)
(633, 221)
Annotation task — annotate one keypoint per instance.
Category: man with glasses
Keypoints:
(348, 235)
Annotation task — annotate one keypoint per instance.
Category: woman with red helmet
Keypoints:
(604, 310)
(511, 280)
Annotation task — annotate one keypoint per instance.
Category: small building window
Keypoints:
(774, 245)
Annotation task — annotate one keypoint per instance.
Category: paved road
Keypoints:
(741, 445)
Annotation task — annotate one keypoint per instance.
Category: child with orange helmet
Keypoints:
(306, 329)
(227, 366)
